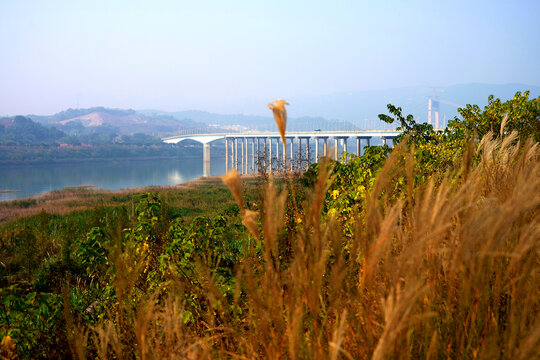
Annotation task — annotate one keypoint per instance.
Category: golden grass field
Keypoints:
(445, 267)
(449, 271)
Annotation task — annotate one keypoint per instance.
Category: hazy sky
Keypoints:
(175, 55)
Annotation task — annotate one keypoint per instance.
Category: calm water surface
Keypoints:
(31, 180)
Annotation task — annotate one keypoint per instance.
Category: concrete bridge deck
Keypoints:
(265, 160)
(210, 137)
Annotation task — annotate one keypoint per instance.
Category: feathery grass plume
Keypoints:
(280, 115)
(232, 180)
(250, 222)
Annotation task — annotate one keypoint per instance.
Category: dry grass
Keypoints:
(450, 271)
(280, 116)
(77, 198)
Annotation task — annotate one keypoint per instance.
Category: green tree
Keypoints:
(519, 114)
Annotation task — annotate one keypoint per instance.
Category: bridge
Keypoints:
(262, 159)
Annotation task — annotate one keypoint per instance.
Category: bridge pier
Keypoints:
(242, 156)
(232, 153)
(307, 154)
(317, 152)
(206, 160)
(252, 155)
(265, 162)
(236, 153)
(277, 154)
(258, 157)
(226, 155)
(337, 140)
(270, 155)
(299, 153)
(231, 160)
(284, 165)
(359, 143)
(345, 147)
(316, 149)
(292, 155)
(300, 160)
(246, 156)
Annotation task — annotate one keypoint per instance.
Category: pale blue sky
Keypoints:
(174, 55)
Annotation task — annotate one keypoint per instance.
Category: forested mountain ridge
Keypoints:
(20, 130)
(118, 121)
(23, 141)
(352, 110)
(355, 109)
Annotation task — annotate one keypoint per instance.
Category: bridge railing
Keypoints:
(310, 126)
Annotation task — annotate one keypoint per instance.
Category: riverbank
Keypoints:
(203, 195)
(33, 180)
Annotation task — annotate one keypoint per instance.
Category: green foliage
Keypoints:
(92, 253)
(23, 131)
(352, 181)
(41, 255)
(416, 133)
(434, 151)
(519, 114)
(29, 318)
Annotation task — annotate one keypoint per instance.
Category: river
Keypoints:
(32, 180)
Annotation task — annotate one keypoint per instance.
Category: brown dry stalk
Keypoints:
(233, 181)
(450, 270)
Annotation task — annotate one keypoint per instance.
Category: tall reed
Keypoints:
(449, 270)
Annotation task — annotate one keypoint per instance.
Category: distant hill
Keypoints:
(350, 110)
(20, 130)
(262, 123)
(212, 119)
(118, 121)
(76, 113)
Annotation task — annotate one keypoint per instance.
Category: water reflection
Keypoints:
(175, 177)
(36, 179)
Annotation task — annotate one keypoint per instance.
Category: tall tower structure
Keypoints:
(434, 102)
(433, 107)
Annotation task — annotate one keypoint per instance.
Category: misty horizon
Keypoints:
(221, 57)
(215, 108)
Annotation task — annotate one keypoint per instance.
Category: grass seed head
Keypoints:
(232, 180)
(250, 222)
(280, 115)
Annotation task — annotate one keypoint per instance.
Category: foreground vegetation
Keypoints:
(430, 250)
(201, 197)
